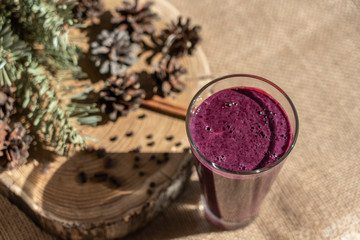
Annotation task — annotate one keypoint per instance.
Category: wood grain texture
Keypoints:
(146, 181)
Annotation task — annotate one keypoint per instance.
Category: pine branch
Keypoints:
(40, 21)
(46, 110)
(34, 48)
(12, 50)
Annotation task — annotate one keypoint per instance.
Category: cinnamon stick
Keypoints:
(162, 105)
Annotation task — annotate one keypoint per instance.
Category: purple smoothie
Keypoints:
(241, 130)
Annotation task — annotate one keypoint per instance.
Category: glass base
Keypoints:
(222, 223)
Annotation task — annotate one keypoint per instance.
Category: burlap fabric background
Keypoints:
(312, 50)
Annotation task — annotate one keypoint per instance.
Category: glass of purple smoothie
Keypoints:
(241, 128)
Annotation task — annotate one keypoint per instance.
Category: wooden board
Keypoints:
(52, 195)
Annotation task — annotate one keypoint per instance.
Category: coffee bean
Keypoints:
(186, 149)
(101, 152)
(135, 150)
(109, 162)
(82, 177)
(113, 138)
(90, 149)
(114, 182)
(100, 177)
(142, 116)
(169, 138)
(129, 133)
(166, 157)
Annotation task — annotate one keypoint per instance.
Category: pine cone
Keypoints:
(88, 9)
(136, 20)
(14, 145)
(179, 39)
(167, 76)
(113, 52)
(6, 103)
(122, 94)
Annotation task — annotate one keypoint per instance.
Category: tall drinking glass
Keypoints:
(231, 199)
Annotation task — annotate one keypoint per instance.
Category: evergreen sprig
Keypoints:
(34, 48)
(11, 50)
(46, 111)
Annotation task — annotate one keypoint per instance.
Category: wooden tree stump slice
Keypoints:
(97, 195)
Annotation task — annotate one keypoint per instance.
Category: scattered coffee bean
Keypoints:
(90, 149)
(166, 157)
(142, 116)
(137, 159)
(150, 144)
(114, 182)
(113, 138)
(152, 157)
(100, 177)
(141, 173)
(101, 152)
(152, 184)
(169, 138)
(178, 144)
(109, 162)
(149, 136)
(129, 133)
(186, 149)
(135, 150)
(82, 177)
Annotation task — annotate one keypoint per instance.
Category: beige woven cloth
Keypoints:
(312, 50)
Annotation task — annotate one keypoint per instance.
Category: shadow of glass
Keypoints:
(184, 217)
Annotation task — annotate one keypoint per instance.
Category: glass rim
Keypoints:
(238, 173)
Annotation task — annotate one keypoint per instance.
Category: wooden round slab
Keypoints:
(108, 194)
